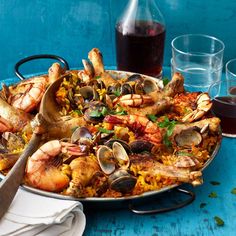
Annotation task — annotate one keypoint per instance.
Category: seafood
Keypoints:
(44, 169)
(141, 125)
(27, 94)
(108, 134)
(204, 104)
(12, 119)
(133, 100)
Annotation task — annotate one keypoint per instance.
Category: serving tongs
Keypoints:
(10, 184)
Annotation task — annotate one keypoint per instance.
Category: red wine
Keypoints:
(141, 49)
(225, 109)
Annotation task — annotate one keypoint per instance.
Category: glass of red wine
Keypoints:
(223, 94)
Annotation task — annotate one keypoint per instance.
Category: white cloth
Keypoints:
(31, 214)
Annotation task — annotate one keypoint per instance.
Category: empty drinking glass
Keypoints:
(199, 58)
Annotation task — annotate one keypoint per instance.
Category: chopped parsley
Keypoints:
(117, 92)
(151, 117)
(106, 131)
(214, 183)
(202, 205)
(165, 81)
(95, 113)
(233, 191)
(219, 221)
(213, 195)
(180, 153)
(170, 125)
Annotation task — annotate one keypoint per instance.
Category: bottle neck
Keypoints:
(144, 10)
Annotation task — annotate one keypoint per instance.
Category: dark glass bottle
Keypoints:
(140, 38)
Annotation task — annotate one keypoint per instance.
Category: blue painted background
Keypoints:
(71, 28)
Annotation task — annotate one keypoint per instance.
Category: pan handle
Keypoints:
(40, 56)
(171, 208)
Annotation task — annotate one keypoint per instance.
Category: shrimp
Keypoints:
(141, 125)
(44, 169)
(12, 119)
(203, 103)
(27, 94)
(133, 100)
(154, 109)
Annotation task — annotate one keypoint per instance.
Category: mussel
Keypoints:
(139, 146)
(95, 112)
(122, 181)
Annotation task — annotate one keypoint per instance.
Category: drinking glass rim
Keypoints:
(227, 70)
(198, 35)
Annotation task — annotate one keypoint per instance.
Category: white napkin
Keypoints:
(31, 214)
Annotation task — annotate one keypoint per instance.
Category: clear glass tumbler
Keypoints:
(224, 105)
(199, 58)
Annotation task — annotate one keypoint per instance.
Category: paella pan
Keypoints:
(107, 135)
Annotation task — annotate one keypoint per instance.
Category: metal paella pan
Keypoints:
(143, 118)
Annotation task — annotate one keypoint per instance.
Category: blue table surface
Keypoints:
(190, 220)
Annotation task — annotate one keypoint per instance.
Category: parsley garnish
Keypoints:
(95, 113)
(151, 117)
(117, 92)
(214, 183)
(165, 81)
(213, 195)
(184, 154)
(97, 77)
(106, 131)
(78, 111)
(202, 205)
(233, 191)
(219, 221)
(121, 111)
(170, 127)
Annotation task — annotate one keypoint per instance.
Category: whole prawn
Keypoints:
(141, 125)
(44, 169)
(27, 94)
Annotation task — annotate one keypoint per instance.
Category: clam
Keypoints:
(125, 145)
(81, 133)
(139, 146)
(109, 158)
(83, 137)
(149, 85)
(122, 181)
(106, 159)
(188, 137)
(89, 93)
(120, 155)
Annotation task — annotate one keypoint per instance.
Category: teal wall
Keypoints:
(70, 28)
